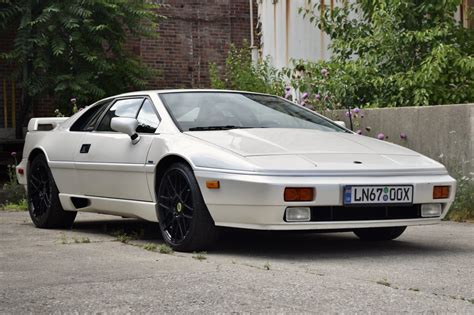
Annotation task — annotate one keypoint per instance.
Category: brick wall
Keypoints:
(194, 34)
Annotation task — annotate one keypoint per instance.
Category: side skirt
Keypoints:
(120, 207)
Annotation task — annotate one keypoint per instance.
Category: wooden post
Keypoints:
(13, 105)
(5, 104)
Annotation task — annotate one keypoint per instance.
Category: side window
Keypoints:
(89, 118)
(122, 108)
(147, 119)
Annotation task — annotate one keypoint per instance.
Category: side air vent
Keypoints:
(80, 202)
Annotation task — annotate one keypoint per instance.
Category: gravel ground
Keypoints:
(428, 269)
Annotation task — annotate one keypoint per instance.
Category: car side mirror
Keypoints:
(340, 123)
(127, 126)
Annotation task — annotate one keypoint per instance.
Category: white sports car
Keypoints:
(194, 160)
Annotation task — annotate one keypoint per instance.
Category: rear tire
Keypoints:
(184, 219)
(380, 234)
(43, 197)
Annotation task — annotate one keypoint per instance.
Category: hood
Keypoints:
(307, 150)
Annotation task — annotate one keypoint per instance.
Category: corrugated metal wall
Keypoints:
(286, 35)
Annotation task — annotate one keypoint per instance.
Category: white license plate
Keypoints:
(378, 194)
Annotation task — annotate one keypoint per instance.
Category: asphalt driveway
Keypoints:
(89, 269)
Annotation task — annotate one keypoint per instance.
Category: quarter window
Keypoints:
(122, 108)
(147, 119)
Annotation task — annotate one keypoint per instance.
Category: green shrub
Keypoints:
(13, 192)
(242, 74)
(393, 53)
(463, 206)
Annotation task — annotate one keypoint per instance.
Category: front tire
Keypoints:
(184, 220)
(380, 234)
(43, 197)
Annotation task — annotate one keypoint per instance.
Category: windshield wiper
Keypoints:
(226, 127)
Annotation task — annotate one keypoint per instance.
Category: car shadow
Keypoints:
(283, 245)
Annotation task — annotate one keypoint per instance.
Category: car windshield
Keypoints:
(199, 111)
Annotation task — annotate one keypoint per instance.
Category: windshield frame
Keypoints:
(170, 113)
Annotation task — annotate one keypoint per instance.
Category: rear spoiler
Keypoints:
(45, 124)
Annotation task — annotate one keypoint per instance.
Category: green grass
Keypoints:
(150, 247)
(165, 249)
(463, 206)
(414, 289)
(200, 256)
(266, 266)
(22, 205)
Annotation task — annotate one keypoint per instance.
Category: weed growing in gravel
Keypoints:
(150, 247)
(21, 205)
(123, 237)
(414, 289)
(266, 266)
(200, 256)
(81, 240)
(164, 249)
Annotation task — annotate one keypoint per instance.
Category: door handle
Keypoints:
(85, 148)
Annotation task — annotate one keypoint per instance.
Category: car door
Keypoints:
(108, 164)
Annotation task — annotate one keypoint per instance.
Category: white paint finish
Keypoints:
(253, 165)
(114, 167)
(141, 210)
(260, 190)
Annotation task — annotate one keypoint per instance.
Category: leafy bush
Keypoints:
(393, 53)
(463, 206)
(13, 192)
(241, 73)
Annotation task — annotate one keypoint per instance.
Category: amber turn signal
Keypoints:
(440, 192)
(299, 194)
(212, 184)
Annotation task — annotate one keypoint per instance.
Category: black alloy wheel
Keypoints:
(185, 222)
(43, 197)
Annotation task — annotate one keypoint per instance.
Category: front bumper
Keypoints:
(256, 201)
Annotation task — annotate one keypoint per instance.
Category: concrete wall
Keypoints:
(444, 133)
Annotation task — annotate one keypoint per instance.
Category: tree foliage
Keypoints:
(75, 48)
(394, 53)
(241, 73)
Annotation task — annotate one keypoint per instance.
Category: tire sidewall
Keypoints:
(199, 206)
(41, 221)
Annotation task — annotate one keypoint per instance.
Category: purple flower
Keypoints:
(73, 100)
(13, 154)
(324, 72)
(381, 136)
(403, 136)
(318, 96)
(305, 95)
(287, 88)
(356, 110)
(287, 95)
(359, 132)
(361, 115)
(348, 113)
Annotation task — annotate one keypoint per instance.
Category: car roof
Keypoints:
(185, 91)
